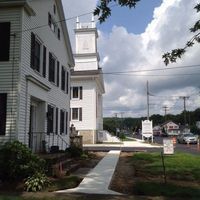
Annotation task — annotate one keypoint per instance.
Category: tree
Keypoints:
(177, 53)
(103, 11)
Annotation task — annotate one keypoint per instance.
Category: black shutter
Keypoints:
(58, 74)
(4, 41)
(51, 68)
(67, 83)
(56, 120)
(58, 33)
(50, 119)
(63, 79)
(32, 50)
(49, 19)
(62, 116)
(66, 123)
(44, 61)
(3, 107)
(81, 92)
(80, 114)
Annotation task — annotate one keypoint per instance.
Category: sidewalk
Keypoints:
(136, 143)
(98, 180)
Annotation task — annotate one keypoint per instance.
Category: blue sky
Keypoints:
(135, 20)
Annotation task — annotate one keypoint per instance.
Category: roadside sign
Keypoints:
(147, 129)
(168, 146)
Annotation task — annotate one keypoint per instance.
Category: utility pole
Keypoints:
(147, 100)
(184, 105)
(165, 109)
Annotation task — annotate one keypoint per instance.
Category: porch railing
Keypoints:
(47, 142)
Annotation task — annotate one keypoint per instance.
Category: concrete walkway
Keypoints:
(98, 179)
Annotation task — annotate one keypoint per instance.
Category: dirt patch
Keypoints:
(123, 178)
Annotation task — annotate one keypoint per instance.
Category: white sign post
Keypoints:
(168, 146)
(147, 129)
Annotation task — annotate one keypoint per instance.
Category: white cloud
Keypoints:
(123, 51)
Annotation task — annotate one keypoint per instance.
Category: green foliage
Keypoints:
(103, 9)
(64, 183)
(168, 190)
(74, 151)
(36, 182)
(122, 136)
(17, 162)
(177, 53)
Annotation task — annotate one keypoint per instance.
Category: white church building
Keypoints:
(87, 85)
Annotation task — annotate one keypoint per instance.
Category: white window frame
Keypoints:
(79, 93)
(78, 117)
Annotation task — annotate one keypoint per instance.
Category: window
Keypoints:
(52, 119)
(4, 41)
(77, 92)
(3, 107)
(38, 55)
(76, 114)
(54, 69)
(53, 25)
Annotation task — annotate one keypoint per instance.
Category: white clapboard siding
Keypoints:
(9, 71)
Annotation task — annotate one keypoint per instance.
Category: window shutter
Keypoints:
(51, 70)
(62, 118)
(56, 120)
(67, 83)
(63, 79)
(66, 123)
(4, 41)
(58, 33)
(81, 92)
(58, 74)
(49, 19)
(44, 61)
(32, 50)
(80, 114)
(3, 107)
(50, 119)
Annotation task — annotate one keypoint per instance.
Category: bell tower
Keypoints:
(86, 55)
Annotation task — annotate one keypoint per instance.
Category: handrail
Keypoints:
(43, 141)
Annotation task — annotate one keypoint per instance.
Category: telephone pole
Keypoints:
(147, 100)
(184, 105)
(165, 109)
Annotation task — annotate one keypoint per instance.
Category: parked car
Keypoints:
(187, 138)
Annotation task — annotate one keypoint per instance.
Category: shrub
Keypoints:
(18, 162)
(74, 151)
(37, 182)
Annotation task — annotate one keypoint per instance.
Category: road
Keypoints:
(192, 148)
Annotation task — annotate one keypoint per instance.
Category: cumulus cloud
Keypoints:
(123, 51)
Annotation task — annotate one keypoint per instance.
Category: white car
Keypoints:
(187, 138)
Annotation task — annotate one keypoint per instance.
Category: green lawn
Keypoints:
(180, 168)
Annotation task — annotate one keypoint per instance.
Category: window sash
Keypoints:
(75, 91)
(74, 113)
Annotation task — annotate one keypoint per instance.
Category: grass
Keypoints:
(167, 190)
(182, 172)
(64, 183)
(178, 166)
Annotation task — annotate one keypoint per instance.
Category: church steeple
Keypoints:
(86, 46)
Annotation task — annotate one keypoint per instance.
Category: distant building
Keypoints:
(171, 128)
(87, 85)
(35, 63)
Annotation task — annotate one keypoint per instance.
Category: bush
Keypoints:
(18, 162)
(37, 182)
(74, 151)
